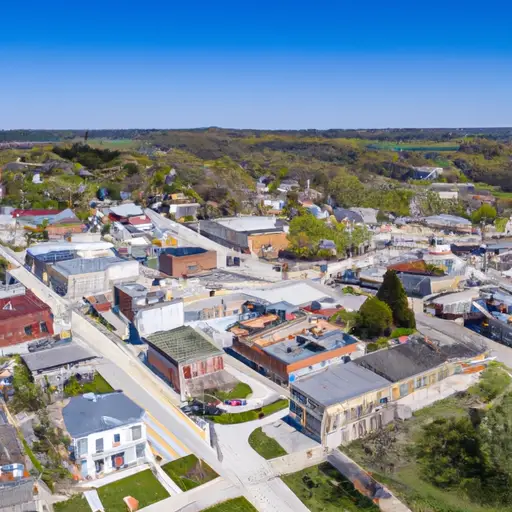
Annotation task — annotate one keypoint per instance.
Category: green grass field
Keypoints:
(243, 417)
(75, 504)
(234, 505)
(323, 489)
(241, 390)
(189, 472)
(397, 467)
(143, 486)
(265, 445)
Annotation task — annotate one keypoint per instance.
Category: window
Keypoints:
(99, 465)
(117, 438)
(28, 330)
(136, 433)
(99, 445)
(43, 327)
(139, 450)
(81, 447)
(404, 389)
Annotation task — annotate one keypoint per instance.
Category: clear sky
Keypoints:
(265, 64)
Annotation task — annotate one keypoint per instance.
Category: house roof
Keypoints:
(339, 382)
(138, 220)
(412, 358)
(126, 210)
(20, 305)
(250, 224)
(183, 344)
(11, 452)
(90, 413)
(342, 214)
(85, 265)
(58, 356)
(447, 220)
(369, 215)
(34, 213)
(411, 267)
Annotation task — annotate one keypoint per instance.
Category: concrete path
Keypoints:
(263, 487)
(197, 499)
(261, 394)
(289, 437)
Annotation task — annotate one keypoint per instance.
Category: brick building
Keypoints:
(186, 261)
(182, 355)
(263, 236)
(23, 318)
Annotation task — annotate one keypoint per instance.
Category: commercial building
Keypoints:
(23, 318)
(293, 350)
(54, 366)
(81, 277)
(347, 401)
(186, 261)
(263, 236)
(149, 311)
(107, 433)
(182, 355)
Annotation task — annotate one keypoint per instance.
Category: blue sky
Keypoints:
(264, 64)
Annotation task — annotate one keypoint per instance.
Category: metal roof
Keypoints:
(413, 358)
(339, 382)
(126, 210)
(56, 357)
(183, 344)
(86, 265)
(250, 224)
(90, 413)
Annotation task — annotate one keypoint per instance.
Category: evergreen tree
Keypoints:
(393, 294)
(374, 319)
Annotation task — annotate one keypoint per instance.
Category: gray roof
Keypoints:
(85, 265)
(89, 413)
(183, 344)
(447, 220)
(11, 452)
(127, 210)
(56, 357)
(339, 382)
(413, 358)
(342, 214)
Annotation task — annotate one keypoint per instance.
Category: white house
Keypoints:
(108, 433)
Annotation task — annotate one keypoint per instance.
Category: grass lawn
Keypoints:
(265, 445)
(323, 489)
(234, 505)
(189, 472)
(243, 417)
(98, 385)
(143, 486)
(76, 504)
(241, 390)
(396, 467)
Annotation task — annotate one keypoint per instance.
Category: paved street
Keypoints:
(245, 470)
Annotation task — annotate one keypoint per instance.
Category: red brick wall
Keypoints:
(13, 332)
(180, 266)
(256, 355)
(165, 367)
(199, 368)
(125, 304)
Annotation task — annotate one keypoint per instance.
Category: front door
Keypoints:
(83, 469)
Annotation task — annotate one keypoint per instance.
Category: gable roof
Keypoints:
(183, 344)
(20, 305)
(342, 214)
(90, 413)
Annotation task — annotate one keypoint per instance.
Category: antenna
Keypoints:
(86, 136)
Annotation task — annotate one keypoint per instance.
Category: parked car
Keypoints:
(235, 403)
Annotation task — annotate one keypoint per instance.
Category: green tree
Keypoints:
(374, 319)
(449, 452)
(486, 213)
(393, 294)
(27, 395)
(347, 190)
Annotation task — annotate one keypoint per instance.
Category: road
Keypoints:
(123, 371)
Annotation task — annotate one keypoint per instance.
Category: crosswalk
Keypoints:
(163, 442)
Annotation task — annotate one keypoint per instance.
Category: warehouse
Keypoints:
(181, 355)
(263, 236)
(81, 277)
(186, 261)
